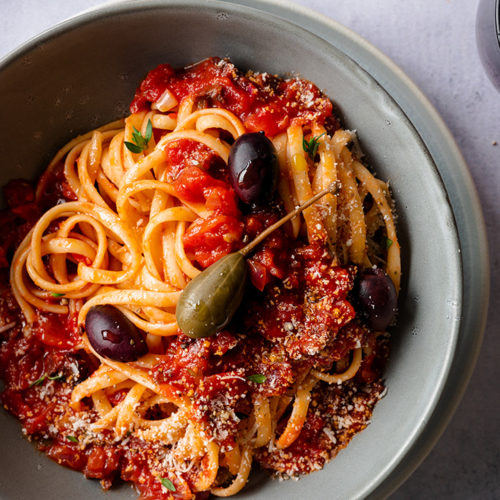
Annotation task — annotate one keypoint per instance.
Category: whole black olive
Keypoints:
(253, 168)
(113, 335)
(377, 297)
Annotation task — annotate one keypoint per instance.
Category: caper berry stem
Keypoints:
(262, 236)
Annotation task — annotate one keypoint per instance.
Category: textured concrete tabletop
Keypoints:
(433, 41)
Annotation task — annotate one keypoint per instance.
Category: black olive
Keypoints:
(253, 168)
(377, 298)
(113, 335)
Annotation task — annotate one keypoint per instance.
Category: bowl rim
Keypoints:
(459, 187)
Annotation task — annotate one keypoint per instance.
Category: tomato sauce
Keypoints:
(209, 239)
(262, 101)
(297, 314)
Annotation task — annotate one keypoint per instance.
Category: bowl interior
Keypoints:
(83, 74)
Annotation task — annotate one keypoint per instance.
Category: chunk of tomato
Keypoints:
(207, 240)
(57, 330)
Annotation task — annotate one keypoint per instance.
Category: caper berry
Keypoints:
(211, 299)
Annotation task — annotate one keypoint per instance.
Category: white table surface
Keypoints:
(433, 41)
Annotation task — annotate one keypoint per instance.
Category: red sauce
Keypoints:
(308, 307)
(53, 188)
(58, 331)
(296, 316)
(209, 239)
(262, 101)
(185, 152)
(18, 218)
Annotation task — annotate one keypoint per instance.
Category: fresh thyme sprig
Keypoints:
(45, 376)
(140, 142)
(311, 146)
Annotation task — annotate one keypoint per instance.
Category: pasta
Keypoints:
(125, 217)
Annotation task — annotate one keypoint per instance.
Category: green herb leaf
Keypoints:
(311, 146)
(149, 131)
(258, 378)
(133, 147)
(72, 439)
(166, 483)
(39, 381)
(44, 377)
(140, 142)
(137, 138)
(388, 242)
(54, 294)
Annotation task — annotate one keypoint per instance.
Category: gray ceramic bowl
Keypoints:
(83, 73)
